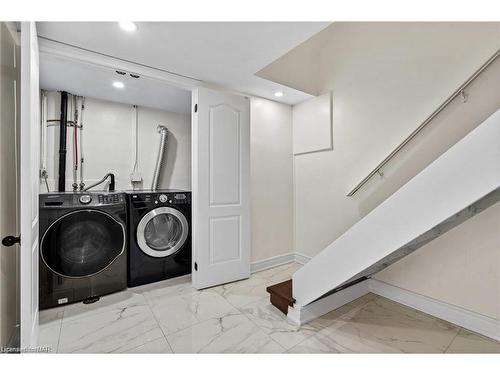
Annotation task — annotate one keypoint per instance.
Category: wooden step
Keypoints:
(281, 295)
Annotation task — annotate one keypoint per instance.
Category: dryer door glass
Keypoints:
(82, 243)
(162, 232)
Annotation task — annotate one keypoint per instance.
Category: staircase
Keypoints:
(462, 182)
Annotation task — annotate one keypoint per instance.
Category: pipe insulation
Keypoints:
(160, 158)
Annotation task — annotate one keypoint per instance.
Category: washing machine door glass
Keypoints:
(82, 243)
(162, 232)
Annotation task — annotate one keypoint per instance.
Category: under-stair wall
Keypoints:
(464, 174)
(386, 78)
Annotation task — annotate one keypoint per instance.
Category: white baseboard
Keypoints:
(470, 320)
(275, 261)
(278, 260)
(302, 315)
(301, 258)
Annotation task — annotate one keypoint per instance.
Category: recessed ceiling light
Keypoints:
(118, 85)
(128, 26)
(278, 94)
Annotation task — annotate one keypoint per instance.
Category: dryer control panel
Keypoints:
(162, 197)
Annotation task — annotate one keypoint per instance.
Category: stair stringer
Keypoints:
(464, 174)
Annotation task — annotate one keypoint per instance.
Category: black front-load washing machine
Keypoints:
(83, 246)
(159, 235)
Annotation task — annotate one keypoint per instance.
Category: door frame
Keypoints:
(11, 340)
(29, 166)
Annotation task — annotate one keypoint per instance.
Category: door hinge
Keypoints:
(195, 266)
(195, 108)
(11, 240)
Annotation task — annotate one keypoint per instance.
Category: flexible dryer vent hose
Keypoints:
(159, 160)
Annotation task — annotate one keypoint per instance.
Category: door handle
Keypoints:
(11, 240)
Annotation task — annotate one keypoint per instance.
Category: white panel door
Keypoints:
(221, 188)
(30, 163)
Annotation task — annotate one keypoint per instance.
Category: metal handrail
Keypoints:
(459, 91)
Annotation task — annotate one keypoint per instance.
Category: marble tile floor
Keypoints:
(172, 317)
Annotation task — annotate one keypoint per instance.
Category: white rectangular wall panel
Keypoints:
(312, 125)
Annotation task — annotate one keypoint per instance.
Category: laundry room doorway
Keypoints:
(160, 138)
(219, 156)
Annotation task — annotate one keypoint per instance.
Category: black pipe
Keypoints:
(111, 182)
(111, 185)
(62, 141)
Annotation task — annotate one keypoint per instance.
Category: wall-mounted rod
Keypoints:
(456, 93)
(62, 141)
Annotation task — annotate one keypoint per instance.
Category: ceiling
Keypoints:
(89, 80)
(219, 53)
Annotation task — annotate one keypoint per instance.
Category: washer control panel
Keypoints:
(75, 199)
(109, 198)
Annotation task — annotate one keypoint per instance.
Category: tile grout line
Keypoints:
(452, 340)
(252, 322)
(357, 308)
(237, 310)
(158, 323)
(60, 330)
(289, 265)
(205, 320)
(178, 330)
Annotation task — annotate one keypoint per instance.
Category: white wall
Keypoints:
(386, 78)
(109, 130)
(271, 179)
(109, 144)
(461, 267)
